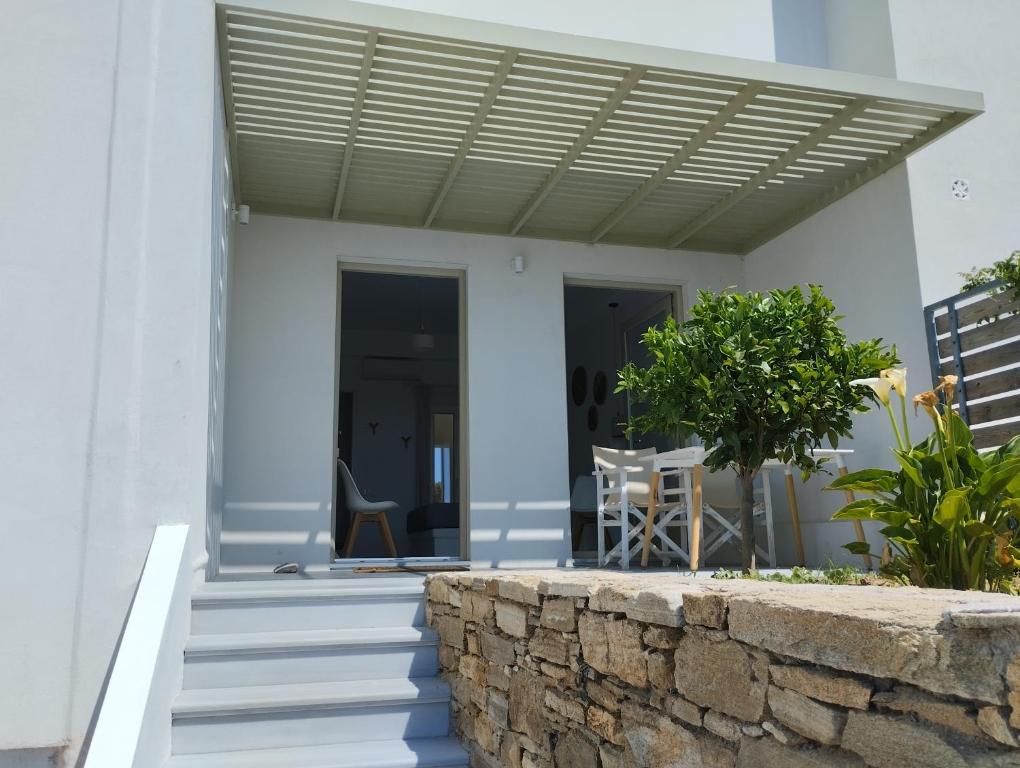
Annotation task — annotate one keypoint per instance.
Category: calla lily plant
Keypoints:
(951, 513)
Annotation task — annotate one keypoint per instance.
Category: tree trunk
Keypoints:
(747, 520)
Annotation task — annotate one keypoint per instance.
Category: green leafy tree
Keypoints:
(755, 376)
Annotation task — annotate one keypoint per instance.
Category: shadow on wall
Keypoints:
(274, 532)
(503, 531)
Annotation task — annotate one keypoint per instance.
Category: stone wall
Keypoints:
(590, 669)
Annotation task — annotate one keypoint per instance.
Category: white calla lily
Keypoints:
(882, 387)
(898, 377)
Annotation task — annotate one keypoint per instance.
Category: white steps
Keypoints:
(411, 753)
(269, 658)
(323, 673)
(262, 717)
(314, 604)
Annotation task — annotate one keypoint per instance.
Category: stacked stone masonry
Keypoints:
(591, 669)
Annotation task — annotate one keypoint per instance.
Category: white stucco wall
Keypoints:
(104, 298)
(731, 27)
(947, 43)
(281, 351)
(961, 45)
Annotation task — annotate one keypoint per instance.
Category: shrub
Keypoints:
(755, 376)
(950, 512)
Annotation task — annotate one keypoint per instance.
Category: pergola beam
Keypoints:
(863, 176)
(227, 86)
(488, 100)
(841, 119)
(740, 100)
(622, 90)
(352, 131)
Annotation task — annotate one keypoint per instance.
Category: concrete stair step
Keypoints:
(266, 606)
(307, 656)
(305, 714)
(442, 752)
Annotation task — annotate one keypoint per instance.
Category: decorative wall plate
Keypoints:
(579, 385)
(600, 387)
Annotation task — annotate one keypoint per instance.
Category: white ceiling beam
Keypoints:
(622, 90)
(488, 99)
(740, 100)
(841, 119)
(863, 176)
(352, 131)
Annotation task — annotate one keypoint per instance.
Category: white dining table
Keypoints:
(692, 460)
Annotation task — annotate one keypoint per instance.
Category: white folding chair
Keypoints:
(672, 505)
(721, 506)
(622, 487)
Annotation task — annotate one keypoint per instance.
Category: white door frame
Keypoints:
(347, 264)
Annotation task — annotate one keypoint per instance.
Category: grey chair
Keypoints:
(364, 511)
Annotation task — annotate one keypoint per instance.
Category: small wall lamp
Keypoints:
(243, 214)
(517, 264)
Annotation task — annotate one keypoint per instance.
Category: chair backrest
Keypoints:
(639, 481)
(351, 493)
(721, 489)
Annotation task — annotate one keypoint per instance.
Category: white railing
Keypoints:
(133, 727)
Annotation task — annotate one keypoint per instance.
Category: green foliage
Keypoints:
(799, 575)
(951, 513)
(757, 375)
(1007, 271)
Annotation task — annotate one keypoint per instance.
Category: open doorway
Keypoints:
(399, 452)
(603, 326)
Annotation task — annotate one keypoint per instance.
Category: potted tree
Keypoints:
(755, 376)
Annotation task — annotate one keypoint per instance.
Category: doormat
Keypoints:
(410, 568)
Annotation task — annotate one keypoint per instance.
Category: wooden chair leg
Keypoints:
(858, 526)
(352, 534)
(653, 502)
(791, 495)
(384, 526)
(695, 513)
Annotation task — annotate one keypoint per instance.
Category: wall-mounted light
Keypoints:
(243, 214)
(517, 264)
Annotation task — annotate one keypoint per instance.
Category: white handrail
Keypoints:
(124, 735)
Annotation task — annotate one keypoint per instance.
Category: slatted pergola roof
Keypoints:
(355, 112)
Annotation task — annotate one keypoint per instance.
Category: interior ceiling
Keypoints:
(350, 121)
(371, 301)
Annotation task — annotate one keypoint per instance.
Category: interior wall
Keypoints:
(383, 467)
(593, 337)
(862, 251)
(281, 366)
(105, 296)
(729, 27)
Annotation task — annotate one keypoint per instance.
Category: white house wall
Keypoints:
(954, 44)
(728, 27)
(279, 443)
(104, 252)
(964, 45)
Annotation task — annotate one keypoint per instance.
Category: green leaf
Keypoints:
(953, 509)
(998, 478)
(864, 509)
(858, 547)
(911, 468)
(866, 480)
